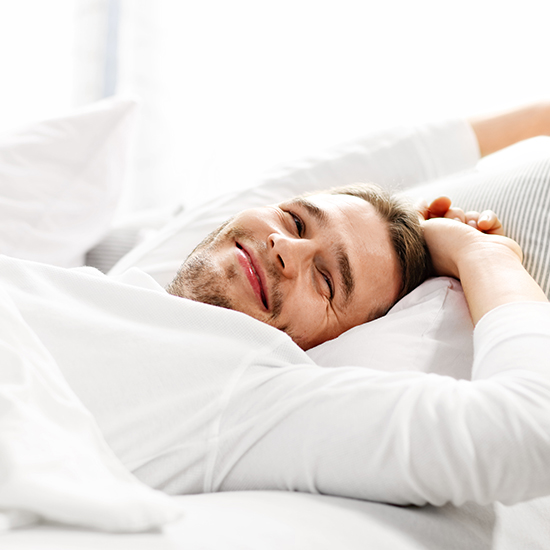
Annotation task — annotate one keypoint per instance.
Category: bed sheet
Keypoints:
(269, 520)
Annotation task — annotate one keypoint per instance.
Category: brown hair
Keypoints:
(405, 233)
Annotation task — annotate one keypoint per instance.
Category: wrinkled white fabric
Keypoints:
(195, 398)
(431, 326)
(54, 462)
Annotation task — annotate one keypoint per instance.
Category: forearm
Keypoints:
(493, 276)
(496, 131)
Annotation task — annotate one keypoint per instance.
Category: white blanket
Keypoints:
(54, 462)
(194, 398)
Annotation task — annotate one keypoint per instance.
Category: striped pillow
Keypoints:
(521, 198)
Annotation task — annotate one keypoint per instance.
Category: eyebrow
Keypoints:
(347, 281)
(313, 210)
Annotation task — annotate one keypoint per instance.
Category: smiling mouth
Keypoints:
(253, 273)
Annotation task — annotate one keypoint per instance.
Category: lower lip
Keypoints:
(244, 260)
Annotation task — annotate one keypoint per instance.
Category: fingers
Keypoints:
(439, 207)
(472, 218)
(456, 214)
(486, 221)
(422, 208)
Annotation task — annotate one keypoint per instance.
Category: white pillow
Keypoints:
(60, 181)
(429, 330)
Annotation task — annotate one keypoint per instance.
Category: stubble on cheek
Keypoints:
(200, 280)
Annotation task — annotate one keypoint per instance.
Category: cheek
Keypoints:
(255, 219)
(304, 319)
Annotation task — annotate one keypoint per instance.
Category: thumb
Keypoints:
(438, 207)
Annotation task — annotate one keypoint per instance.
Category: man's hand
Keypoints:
(449, 241)
(486, 221)
(453, 242)
(460, 234)
(487, 264)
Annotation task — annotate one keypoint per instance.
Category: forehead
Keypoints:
(342, 214)
(332, 204)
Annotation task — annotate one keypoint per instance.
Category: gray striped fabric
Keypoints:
(117, 243)
(521, 198)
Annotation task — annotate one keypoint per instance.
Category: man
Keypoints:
(313, 266)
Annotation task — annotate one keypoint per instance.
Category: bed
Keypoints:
(60, 185)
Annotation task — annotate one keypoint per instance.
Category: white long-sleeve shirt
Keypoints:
(196, 398)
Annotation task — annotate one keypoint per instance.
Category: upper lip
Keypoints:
(257, 268)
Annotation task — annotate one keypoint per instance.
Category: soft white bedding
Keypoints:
(194, 398)
(54, 461)
(265, 520)
(258, 519)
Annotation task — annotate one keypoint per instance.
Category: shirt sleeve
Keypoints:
(397, 158)
(402, 438)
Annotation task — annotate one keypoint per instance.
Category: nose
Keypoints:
(290, 255)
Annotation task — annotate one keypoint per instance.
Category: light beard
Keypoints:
(202, 280)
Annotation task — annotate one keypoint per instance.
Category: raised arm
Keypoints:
(499, 130)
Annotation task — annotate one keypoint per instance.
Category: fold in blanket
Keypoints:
(54, 461)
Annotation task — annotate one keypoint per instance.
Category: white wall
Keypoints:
(36, 60)
(238, 86)
(230, 88)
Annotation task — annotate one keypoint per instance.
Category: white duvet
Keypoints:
(54, 461)
(193, 398)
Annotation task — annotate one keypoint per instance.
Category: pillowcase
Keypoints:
(60, 181)
(521, 198)
(429, 330)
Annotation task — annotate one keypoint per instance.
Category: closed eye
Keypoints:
(329, 285)
(300, 227)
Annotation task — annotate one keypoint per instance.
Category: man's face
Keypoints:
(313, 267)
